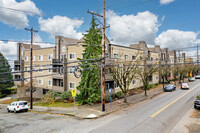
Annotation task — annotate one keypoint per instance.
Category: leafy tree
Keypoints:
(5, 67)
(123, 74)
(89, 86)
(50, 98)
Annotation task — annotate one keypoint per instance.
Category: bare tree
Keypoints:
(123, 72)
(145, 72)
(164, 71)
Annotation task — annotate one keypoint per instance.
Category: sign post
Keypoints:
(110, 90)
(74, 95)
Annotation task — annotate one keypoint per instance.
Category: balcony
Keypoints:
(17, 62)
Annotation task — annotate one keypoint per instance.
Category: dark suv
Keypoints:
(197, 102)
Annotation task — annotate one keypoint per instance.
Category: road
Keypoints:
(157, 115)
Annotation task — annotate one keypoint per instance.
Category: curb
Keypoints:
(43, 112)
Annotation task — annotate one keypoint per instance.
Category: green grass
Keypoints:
(57, 104)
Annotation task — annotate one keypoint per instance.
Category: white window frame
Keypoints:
(26, 58)
(50, 83)
(50, 57)
(108, 86)
(40, 71)
(72, 54)
(115, 56)
(134, 83)
(72, 83)
(41, 57)
(116, 85)
(34, 58)
(40, 81)
(71, 70)
(126, 57)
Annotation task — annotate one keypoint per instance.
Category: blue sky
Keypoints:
(168, 23)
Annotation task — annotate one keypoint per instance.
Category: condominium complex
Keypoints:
(53, 67)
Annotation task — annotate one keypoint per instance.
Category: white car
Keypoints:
(18, 106)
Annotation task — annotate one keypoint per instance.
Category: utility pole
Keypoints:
(103, 54)
(31, 67)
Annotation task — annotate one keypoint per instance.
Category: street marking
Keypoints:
(156, 113)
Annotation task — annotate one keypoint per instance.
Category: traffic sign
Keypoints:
(73, 92)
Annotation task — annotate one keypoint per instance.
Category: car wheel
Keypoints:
(8, 110)
(26, 110)
(15, 111)
(195, 106)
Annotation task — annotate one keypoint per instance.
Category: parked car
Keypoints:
(192, 79)
(18, 106)
(184, 86)
(170, 88)
(197, 102)
(197, 77)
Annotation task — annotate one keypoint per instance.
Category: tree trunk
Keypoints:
(125, 97)
(163, 82)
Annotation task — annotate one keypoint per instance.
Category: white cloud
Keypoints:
(176, 39)
(128, 29)
(61, 25)
(9, 49)
(164, 2)
(16, 18)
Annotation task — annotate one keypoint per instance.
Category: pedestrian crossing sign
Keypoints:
(73, 92)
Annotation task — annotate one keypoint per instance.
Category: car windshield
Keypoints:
(23, 103)
(184, 84)
(169, 86)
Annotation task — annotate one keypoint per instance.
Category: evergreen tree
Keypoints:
(5, 67)
(89, 86)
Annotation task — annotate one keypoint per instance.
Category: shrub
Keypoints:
(13, 90)
(66, 95)
(107, 98)
(150, 86)
(119, 94)
(198, 97)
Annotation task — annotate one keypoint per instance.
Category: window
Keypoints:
(115, 55)
(156, 59)
(126, 57)
(72, 56)
(26, 58)
(71, 70)
(26, 68)
(83, 55)
(105, 46)
(107, 87)
(40, 58)
(33, 58)
(50, 57)
(62, 56)
(41, 81)
(72, 85)
(63, 49)
(116, 85)
(151, 58)
(50, 82)
(133, 57)
(106, 55)
(134, 82)
(156, 77)
(50, 69)
(40, 69)
(61, 84)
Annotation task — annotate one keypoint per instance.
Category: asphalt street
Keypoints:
(157, 115)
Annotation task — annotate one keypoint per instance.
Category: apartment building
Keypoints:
(53, 67)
